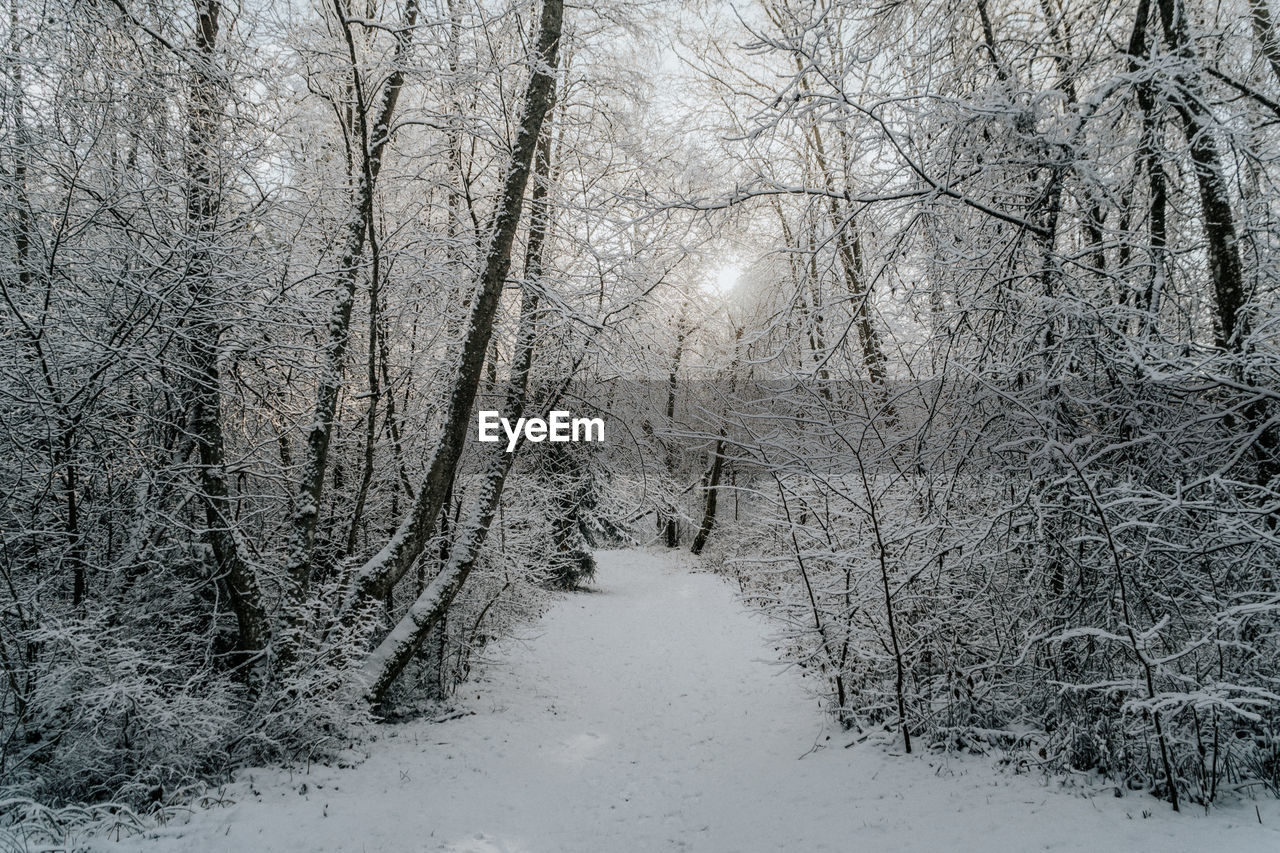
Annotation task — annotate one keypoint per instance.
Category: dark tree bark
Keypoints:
(1222, 240)
(437, 686)
(713, 493)
(1149, 161)
(203, 201)
(390, 564)
(375, 394)
(717, 457)
(1264, 29)
(1226, 267)
(668, 526)
(360, 224)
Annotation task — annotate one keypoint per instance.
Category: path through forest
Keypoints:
(649, 716)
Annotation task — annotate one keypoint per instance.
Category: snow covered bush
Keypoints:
(111, 718)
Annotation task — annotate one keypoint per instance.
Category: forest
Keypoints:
(947, 334)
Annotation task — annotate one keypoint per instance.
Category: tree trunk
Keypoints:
(849, 249)
(717, 455)
(389, 658)
(668, 526)
(360, 223)
(1149, 161)
(437, 644)
(1225, 266)
(203, 199)
(713, 492)
(1264, 29)
(390, 564)
(375, 393)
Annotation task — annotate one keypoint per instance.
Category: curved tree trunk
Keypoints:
(359, 226)
(426, 616)
(390, 564)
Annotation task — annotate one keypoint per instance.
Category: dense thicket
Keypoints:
(257, 261)
(989, 424)
(1017, 456)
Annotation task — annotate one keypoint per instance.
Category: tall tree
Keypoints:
(374, 123)
(207, 92)
(385, 569)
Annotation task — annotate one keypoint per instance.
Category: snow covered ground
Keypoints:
(650, 716)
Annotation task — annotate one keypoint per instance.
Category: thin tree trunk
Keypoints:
(717, 456)
(815, 611)
(1225, 266)
(989, 41)
(667, 525)
(390, 564)
(900, 670)
(437, 645)
(811, 318)
(360, 223)
(713, 492)
(1149, 161)
(375, 393)
(849, 250)
(203, 200)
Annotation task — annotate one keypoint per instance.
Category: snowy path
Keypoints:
(645, 717)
